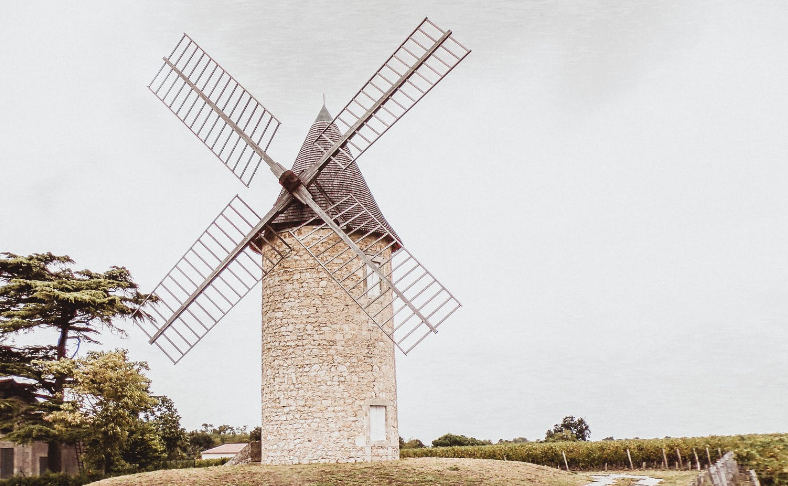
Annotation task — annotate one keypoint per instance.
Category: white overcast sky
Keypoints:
(601, 183)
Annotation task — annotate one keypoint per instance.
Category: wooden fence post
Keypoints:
(565, 462)
(697, 461)
(665, 459)
(708, 455)
(630, 460)
(681, 463)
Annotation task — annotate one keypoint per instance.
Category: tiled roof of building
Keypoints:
(10, 388)
(332, 184)
(226, 449)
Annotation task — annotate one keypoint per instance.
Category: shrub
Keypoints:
(451, 440)
(51, 479)
(187, 463)
(61, 479)
(562, 436)
(516, 440)
(412, 444)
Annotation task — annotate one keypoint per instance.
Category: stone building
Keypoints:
(31, 459)
(224, 450)
(329, 387)
(28, 459)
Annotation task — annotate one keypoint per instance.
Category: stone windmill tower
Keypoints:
(340, 291)
(329, 386)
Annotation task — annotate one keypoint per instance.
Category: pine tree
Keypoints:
(41, 292)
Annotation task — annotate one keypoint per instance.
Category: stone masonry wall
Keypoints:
(250, 453)
(325, 362)
(27, 458)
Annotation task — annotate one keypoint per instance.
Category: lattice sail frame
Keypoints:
(199, 92)
(176, 337)
(421, 304)
(427, 55)
(181, 85)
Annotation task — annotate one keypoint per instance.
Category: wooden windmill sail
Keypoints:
(325, 214)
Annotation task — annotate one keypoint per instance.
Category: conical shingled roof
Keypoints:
(333, 183)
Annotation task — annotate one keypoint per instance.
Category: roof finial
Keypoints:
(324, 115)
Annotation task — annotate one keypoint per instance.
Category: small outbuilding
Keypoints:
(224, 450)
(29, 459)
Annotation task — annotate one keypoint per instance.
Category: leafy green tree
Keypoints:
(107, 394)
(209, 436)
(570, 428)
(198, 441)
(143, 448)
(166, 422)
(562, 436)
(224, 433)
(516, 440)
(448, 440)
(411, 444)
(41, 292)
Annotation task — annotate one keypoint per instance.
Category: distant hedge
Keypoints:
(61, 479)
(767, 453)
(50, 479)
(187, 463)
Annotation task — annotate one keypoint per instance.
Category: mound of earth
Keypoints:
(423, 471)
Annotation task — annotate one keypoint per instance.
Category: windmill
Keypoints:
(340, 291)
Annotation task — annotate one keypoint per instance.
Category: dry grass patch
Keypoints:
(428, 471)
(625, 481)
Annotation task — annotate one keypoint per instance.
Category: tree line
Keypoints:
(569, 429)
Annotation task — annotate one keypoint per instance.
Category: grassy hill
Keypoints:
(408, 472)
